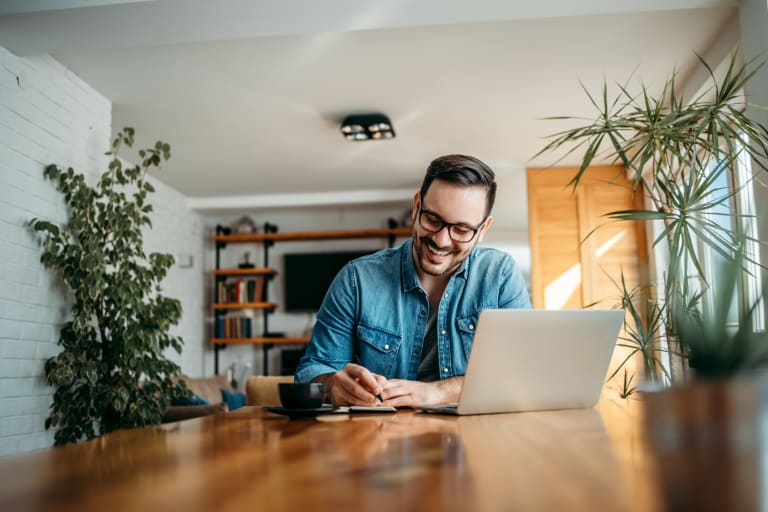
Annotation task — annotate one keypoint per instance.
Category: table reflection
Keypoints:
(558, 460)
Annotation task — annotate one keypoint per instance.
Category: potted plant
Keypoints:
(705, 428)
(111, 372)
(679, 153)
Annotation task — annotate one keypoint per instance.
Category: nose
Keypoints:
(442, 238)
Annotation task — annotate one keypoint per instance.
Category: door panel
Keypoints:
(577, 255)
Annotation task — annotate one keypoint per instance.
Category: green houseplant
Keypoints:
(713, 347)
(643, 326)
(680, 151)
(111, 372)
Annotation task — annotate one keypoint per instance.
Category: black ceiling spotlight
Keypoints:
(367, 126)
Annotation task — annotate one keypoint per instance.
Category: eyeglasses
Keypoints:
(433, 223)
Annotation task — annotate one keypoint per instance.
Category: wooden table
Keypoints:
(250, 459)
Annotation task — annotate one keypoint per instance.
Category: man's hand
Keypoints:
(353, 385)
(409, 393)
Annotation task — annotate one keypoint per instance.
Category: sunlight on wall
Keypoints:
(610, 243)
(560, 290)
(557, 293)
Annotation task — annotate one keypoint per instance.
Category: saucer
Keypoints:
(301, 413)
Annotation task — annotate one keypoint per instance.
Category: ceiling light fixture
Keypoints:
(367, 126)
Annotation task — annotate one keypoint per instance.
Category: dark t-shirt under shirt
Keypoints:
(428, 370)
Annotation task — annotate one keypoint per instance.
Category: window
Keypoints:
(734, 210)
(747, 216)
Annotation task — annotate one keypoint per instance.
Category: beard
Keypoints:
(438, 261)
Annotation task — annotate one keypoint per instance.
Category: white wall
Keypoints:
(178, 230)
(48, 115)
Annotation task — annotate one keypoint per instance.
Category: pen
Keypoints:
(381, 398)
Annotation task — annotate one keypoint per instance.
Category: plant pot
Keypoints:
(707, 443)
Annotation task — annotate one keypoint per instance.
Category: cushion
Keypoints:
(233, 399)
(207, 388)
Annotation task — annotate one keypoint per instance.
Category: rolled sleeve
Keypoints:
(333, 336)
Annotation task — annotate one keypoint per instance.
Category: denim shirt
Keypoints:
(375, 313)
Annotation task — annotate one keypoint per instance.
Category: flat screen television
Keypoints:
(307, 276)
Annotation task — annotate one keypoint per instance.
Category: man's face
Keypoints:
(436, 254)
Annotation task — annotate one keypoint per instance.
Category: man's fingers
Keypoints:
(365, 378)
(348, 388)
(394, 388)
(402, 401)
(380, 380)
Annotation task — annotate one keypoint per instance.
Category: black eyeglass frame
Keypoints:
(448, 225)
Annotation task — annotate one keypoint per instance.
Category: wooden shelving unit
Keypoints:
(313, 235)
(261, 340)
(244, 272)
(244, 305)
(267, 238)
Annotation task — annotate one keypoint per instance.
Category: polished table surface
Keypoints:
(251, 459)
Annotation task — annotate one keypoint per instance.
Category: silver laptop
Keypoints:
(529, 360)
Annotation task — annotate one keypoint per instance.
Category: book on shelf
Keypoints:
(241, 291)
(219, 327)
(233, 327)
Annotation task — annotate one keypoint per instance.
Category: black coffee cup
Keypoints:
(301, 396)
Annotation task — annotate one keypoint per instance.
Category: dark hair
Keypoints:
(464, 170)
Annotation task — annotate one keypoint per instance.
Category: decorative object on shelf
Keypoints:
(246, 263)
(112, 371)
(367, 126)
(231, 375)
(244, 226)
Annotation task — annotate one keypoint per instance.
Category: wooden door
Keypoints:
(577, 255)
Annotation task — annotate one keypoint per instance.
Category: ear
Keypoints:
(484, 228)
(415, 210)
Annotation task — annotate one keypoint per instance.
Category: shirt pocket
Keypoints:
(467, 325)
(378, 349)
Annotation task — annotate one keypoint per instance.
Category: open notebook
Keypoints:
(526, 360)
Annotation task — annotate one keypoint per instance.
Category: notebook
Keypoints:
(528, 360)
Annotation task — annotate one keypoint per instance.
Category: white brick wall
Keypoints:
(48, 115)
(179, 231)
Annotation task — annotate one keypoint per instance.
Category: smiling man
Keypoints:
(396, 327)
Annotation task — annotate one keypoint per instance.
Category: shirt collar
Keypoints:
(408, 277)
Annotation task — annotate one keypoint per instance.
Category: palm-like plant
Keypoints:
(712, 346)
(642, 329)
(677, 150)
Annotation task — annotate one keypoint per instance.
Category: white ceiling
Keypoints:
(250, 93)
